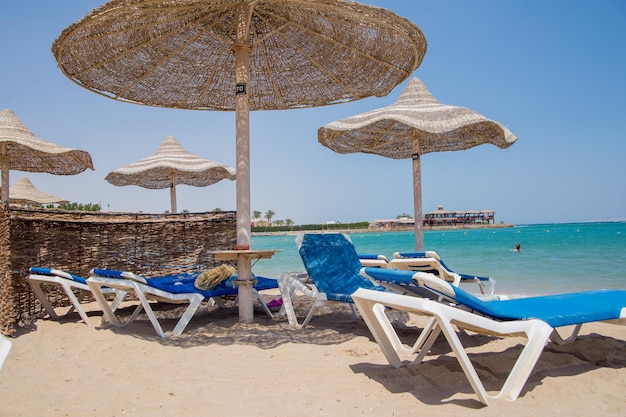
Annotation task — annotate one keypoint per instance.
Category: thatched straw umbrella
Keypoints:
(414, 125)
(240, 55)
(24, 192)
(169, 166)
(21, 150)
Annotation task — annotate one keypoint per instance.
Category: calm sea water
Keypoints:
(553, 258)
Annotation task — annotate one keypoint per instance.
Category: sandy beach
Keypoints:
(333, 367)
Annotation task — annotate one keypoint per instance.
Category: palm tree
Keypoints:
(268, 215)
(289, 222)
(256, 214)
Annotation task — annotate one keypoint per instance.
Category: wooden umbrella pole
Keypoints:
(4, 161)
(242, 49)
(417, 195)
(173, 192)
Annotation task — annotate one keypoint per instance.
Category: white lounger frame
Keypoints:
(443, 319)
(67, 283)
(432, 260)
(145, 293)
(291, 283)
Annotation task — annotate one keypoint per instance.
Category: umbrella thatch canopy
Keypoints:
(21, 150)
(240, 55)
(179, 53)
(169, 166)
(24, 192)
(414, 125)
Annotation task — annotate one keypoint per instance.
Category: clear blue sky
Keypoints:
(553, 72)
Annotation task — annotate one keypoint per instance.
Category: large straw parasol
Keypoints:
(24, 192)
(169, 166)
(21, 150)
(240, 55)
(414, 125)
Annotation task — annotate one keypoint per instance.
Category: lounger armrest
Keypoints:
(111, 273)
(390, 276)
(397, 276)
(402, 255)
(51, 272)
(291, 281)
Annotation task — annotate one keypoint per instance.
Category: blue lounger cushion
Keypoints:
(424, 255)
(556, 310)
(48, 271)
(334, 265)
(184, 283)
(368, 256)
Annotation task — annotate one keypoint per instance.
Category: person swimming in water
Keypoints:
(518, 247)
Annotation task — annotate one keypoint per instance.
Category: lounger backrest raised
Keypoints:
(333, 265)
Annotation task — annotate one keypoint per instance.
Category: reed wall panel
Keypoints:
(148, 244)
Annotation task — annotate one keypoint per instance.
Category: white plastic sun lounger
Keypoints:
(373, 260)
(430, 261)
(173, 289)
(535, 317)
(39, 277)
(332, 274)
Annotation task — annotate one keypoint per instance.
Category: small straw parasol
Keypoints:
(416, 124)
(240, 55)
(23, 192)
(169, 166)
(21, 150)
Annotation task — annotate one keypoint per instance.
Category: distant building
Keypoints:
(258, 222)
(391, 224)
(441, 217)
(437, 218)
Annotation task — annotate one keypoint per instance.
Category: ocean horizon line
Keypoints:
(433, 228)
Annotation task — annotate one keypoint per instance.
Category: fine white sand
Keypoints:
(219, 367)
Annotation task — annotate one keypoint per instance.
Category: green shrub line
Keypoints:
(311, 227)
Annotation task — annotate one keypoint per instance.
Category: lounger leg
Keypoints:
(426, 340)
(559, 340)
(381, 329)
(119, 297)
(537, 339)
(425, 335)
(194, 303)
(150, 313)
(287, 287)
(464, 361)
(75, 302)
(43, 299)
(108, 310)
(257, 296)
(289, 283)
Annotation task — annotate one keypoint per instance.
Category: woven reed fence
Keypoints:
(148, 244)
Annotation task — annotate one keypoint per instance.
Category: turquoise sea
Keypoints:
(563, 257)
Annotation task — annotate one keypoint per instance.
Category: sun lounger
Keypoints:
(373, 260)
(431, 262)
(40, 277)
(535, 317)
(332, 274)
(5, 347)
(174, 289)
